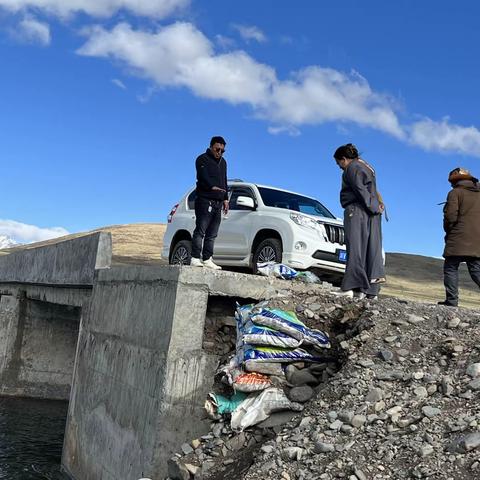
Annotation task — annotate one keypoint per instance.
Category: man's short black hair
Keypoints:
(215, 140)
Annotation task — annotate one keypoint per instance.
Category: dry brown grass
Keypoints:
(133, 243)
(415, 277)
(412, 277)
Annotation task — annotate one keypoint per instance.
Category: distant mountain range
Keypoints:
(7, 242)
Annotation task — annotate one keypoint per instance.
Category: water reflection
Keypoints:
(31, 438)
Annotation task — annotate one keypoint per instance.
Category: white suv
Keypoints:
(264, 224)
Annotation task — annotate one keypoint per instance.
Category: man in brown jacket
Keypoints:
(461, 222)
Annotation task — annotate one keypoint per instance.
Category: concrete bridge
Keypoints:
(125, 346)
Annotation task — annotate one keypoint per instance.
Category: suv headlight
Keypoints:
(305, 221)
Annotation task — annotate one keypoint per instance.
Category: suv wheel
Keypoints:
(270, 250)
(181, 253)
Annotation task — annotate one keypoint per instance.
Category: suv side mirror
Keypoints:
(246, 202)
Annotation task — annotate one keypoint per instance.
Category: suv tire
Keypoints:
(269, 250)
(181, 253)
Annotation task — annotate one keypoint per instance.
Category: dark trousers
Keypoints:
(450, 275)
(363, 238)
(208, 214)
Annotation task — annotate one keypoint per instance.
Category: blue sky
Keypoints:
(106, 103)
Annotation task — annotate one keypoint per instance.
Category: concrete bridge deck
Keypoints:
(123, 344)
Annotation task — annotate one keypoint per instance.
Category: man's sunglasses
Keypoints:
(220, 150)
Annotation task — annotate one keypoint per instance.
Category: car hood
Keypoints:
(320, 219)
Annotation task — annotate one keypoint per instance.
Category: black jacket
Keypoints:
(359, 186)
(211, 173)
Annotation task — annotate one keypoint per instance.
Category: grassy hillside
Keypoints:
(409, 276)
(133, 243)
(414, 277)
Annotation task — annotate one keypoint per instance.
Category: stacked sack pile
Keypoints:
(263, 373)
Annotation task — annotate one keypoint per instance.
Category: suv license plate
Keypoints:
(342, 255)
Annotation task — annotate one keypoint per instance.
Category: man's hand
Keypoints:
(225, 206)
(381, 208)
(218, 189)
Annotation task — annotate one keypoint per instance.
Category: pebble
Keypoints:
(358, 421)
(345, 417)
(453, 323)
(399, 323)
(336, 425)
(474, 384)
(193, 469)
(385, 355)
(267, 449)
(292, 453)
(473, 370)
(394, 411)
(365, 363)
(196, 443)
(298, 377)
(465, 443)
(359, 474)
(186, 449)
(420, 392)
(300, 394)
(321, 447)
(414, 319)
(308, 313)
(391, 338)
(426, 450)
(446, 386)
(332, 415)
(374, 395)
(431, 412)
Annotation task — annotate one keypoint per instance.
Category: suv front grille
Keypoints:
(335, 233)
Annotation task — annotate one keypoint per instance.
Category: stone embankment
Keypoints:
(398, 399)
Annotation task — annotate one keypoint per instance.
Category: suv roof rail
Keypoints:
(235, 180)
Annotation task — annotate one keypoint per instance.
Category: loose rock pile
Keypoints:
(404, 404)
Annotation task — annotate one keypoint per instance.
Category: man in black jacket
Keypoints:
(211, 199)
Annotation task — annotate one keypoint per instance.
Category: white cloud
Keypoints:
(31, 30)
(24, 233)
(292, 131)
(317, 95)
(250, 32)
(98, 8)
(445, 137)
(117, 82)
(179, 55)
(224, 42)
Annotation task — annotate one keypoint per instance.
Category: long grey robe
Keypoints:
(363, 228)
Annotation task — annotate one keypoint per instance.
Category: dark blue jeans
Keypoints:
(208, 214)
(450, 275)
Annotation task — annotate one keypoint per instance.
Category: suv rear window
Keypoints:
(292, 201)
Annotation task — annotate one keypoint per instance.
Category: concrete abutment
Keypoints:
(142, 373)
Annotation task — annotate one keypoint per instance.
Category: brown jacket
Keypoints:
(461, 220)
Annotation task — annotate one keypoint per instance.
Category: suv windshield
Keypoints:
(292, 201)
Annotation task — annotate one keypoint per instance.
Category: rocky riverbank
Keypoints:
(400, 401)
